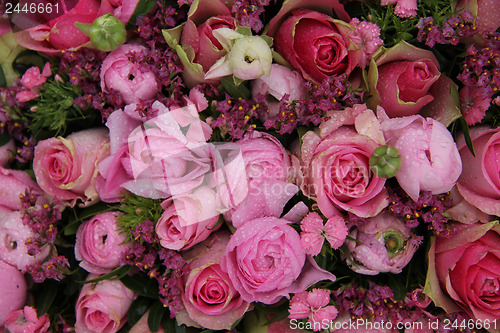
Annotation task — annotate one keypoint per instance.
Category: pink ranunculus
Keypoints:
(60, 33)
(429, 156)
(66, 168)
(317, 45)
(280, 82)
(401, 79)
(479, 183)
(334, 164)
(26, 320)
(194, 39)
(102, 307)
(7, 153)
(12, 290)
(99, 244)
(383, 244)
(15, 183)
(264, 262)
(187, 219)
(134, 82)
(464, 271)
(208, 296)
(14, 236)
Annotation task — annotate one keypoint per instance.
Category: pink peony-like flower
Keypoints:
(404, 8)
(32, 80)
(464, 271)
(14, 183)
(209, 298)
(188, 219)
(383, 244)
(280, 82)
(314, 306)
(102, 307)
(334, 167)
(26, 320)
(474, 101)
(12, 290)
(314, 232)
(134, 82)
(316, 44)
(66, 167)
(479, 183)
(429, 156)
(99, 244)
(14, 236)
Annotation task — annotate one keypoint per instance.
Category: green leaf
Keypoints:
(78, 217)
(156, 316)
(141, 284)
(234, 90)
(4, 138)
(143, 7)
(115, 274)
(83, 27)
(466, 133)
(45, 297)
(397, 286)
(137, 310)
(180, 329)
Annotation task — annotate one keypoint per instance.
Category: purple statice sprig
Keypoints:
(165, 16)
(55, 268)
(448, 32)
(248, 12)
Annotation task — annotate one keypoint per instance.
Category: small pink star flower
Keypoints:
(367, 37)
(404, 8)
(313, 305)
(314, 232)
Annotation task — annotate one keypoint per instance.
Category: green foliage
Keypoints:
(138, 209)
(156, 315)
(141, 284)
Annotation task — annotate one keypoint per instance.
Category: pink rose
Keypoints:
(60, 33)
(383, 244)
(66, 167)
(99, 244)
(429, 155)
(317, 45)
(26, 320)
(102, 307)
(479, 182)
(194, 41)
(14, 236)
(464, 271)
(209, 298)
(334, 164)
(188, 219)
(280, 82)
(12, 290)
(14, 183)
(134, 82)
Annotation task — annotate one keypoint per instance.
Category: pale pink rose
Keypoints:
(208, 296)
(102, 307)
(7, 153)
(12, 290)
(314, 306)
(13, 238)
(66, 167)
(429, 156)
(280, 82)
(26, 320)
(100, 247)
(134, 82)
(15, 183)
(188, 219)
(383, 244)
(479, 183)
(334, 164)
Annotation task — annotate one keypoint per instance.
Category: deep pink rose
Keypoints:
(264, 262)
(429, 155)
(317, 45)
(280, 82)
(479, 182)
(14, 235)
(99, 244)
(334, 164)
(26, 320)
(102, 307)
(134, 82)
(208, 296)
(14, 183)
(383, 244)
(404, 79)
(12, 290)
(66, 167)
(61, 33)
(188, 219)
(464, 271)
